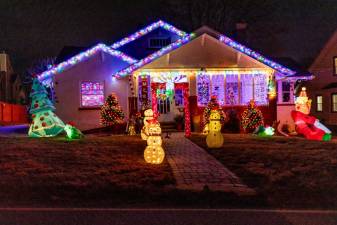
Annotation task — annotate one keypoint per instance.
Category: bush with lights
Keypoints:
(111, 112)
(251, 118)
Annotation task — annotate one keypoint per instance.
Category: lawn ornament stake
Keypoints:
(214, 138)
(148, 115)
(308, 126)
(154, 153)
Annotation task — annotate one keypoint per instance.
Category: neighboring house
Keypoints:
(171, 71)
(11, 88)
(323, 89)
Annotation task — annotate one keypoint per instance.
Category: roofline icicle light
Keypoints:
(150, 58)
(147, 30)
(255, 55)
(83, 56)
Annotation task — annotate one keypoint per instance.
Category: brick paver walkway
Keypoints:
(193, 168)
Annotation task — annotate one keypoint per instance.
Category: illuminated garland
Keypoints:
(83, 56)
(255, 55)
(147, 30)
(154, 56)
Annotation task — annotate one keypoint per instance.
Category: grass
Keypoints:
(97, 171)
(57, 171)
(285, 172)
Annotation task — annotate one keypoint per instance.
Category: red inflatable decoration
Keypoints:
(308, 126)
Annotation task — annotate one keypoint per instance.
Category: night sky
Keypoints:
(35, 29)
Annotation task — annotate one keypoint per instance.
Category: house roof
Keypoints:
(83, 56)
(184, 39)
(325, 50)
(147, 30)
(330, 85)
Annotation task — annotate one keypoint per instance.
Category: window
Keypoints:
(335, 65)
(260, 89)
(218, 89)
(334, 102)
(286, 92)
(179, 97)
(232, 89)
(319, 102)
(203, 83)
(247, 88)
(159, 42)
(92, 94)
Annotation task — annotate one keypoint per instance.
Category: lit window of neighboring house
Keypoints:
(92, 94)
(334, 102)
(319, 103)
(335, 65)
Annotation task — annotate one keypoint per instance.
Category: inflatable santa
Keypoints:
(308, 126)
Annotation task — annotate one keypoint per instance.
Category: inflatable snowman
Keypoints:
(154, 153)
(148, 115)
(214, 138)
(308, 126)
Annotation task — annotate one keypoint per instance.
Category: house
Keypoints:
(173, 72)
(11, 88)
(323, 89)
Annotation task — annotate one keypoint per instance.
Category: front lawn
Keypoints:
(59, 172)
(285, 172)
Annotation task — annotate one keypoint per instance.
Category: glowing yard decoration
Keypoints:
(73, 132)
(308, 126)
(214, 138)
(147, 30)
(256, 55)
(262, 131)
(251, 118)
(83, 56)
(148, 115)
(154, 153)
(45, 123)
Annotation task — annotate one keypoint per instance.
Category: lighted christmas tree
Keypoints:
(45, 123)
(111, 112)
(251, 118)
(213, 104)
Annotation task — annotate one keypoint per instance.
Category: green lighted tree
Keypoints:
(251, 118)
(45, 123)
(213, 104)
(111, 112)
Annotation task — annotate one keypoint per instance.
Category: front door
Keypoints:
(169, 104)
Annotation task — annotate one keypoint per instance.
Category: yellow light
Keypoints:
(154, 153)
(214, 138)
(148, 115)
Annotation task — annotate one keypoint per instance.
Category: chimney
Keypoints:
(241, 32)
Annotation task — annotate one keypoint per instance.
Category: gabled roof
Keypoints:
(325, 50)
(83, 56)
(147, 30)
(184, 39)
(222, 38)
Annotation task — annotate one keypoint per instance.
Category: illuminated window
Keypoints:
(334, 102)
(260, 89)
(203, 82)
(335, 65)
(92, 94)
(218, 88)
(319, 102)
(232, 90)
(247, 88)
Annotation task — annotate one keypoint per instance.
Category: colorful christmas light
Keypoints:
(111, 112)
(147, 30)
(150, 58)
(83, 56)
(256, 55)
